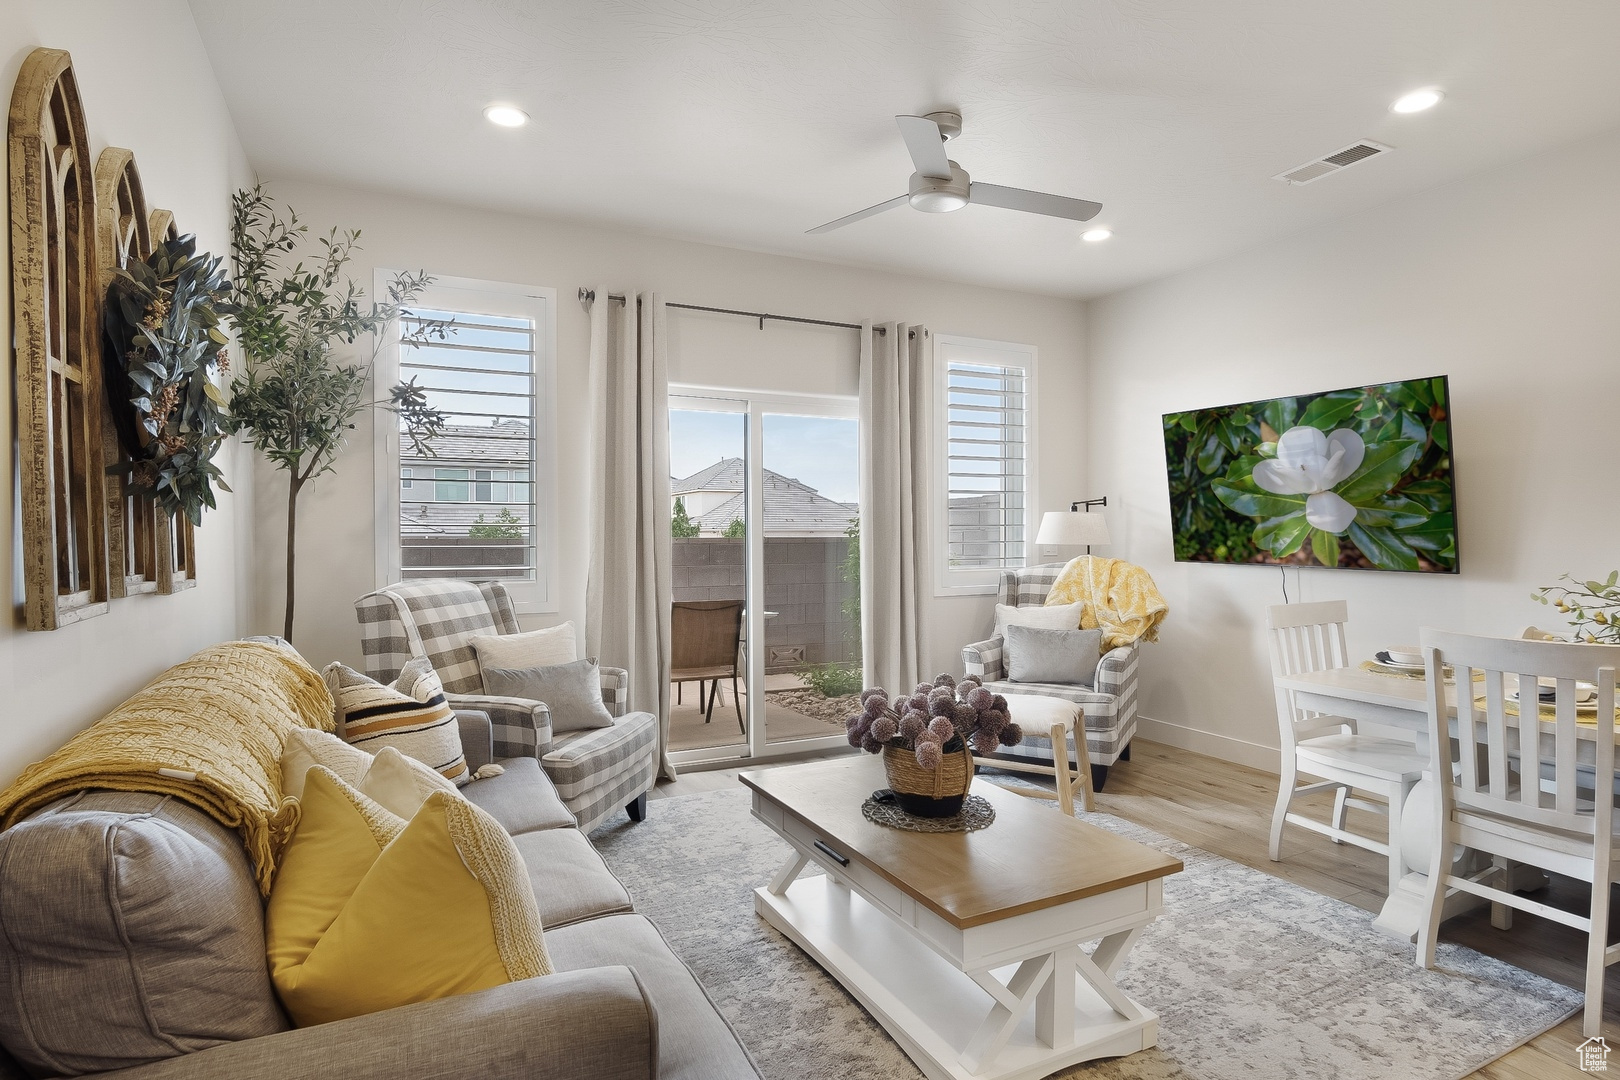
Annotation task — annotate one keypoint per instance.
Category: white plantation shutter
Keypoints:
(986, 414)
(478, 502)
(477, 520)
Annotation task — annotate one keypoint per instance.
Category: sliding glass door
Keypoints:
(766, 550)
(812, 569)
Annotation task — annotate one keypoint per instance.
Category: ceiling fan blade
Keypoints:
(926, 144)
(858, 215)
(1033, 202)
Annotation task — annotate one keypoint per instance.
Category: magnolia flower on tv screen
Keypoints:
(1311, 463)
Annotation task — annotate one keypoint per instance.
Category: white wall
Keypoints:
(335, 519)
(1507, 282)
(146, 85)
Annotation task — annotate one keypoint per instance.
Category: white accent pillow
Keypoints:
(1056, 617)
(397, 782)
(536, 648)
(305, 748)
(402, 784)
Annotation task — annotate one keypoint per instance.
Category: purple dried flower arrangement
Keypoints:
(936, 718)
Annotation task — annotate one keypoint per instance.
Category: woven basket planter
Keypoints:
(934, 793)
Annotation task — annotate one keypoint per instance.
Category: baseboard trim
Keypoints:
(1241, 751)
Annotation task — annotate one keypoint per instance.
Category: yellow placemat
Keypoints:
(1388, 672)
(1548, 711)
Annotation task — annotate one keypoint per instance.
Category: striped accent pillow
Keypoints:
(411, 715)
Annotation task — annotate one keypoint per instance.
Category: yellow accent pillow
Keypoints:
(369, 912)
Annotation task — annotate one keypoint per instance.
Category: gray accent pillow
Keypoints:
(573, 692)
(134, 932)
(1034, 654)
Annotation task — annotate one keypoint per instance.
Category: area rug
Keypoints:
(1252, 976)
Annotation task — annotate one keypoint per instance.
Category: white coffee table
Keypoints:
(966, 947)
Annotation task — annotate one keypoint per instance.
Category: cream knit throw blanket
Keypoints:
(208, 731)
(1120, 599)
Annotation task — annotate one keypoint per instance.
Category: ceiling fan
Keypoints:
(940, 185)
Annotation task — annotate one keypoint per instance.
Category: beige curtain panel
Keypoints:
(627, 595)
(895, 396)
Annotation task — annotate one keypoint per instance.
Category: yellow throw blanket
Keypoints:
(1119, 597)
(208, 731)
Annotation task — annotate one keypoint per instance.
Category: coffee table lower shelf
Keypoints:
(1002, 1024)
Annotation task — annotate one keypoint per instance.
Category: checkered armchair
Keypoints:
(1110, 704)
(595, 771)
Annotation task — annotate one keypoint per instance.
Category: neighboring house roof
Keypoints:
(790, 506)
(426, 519)
(724, 475)
(503, 443)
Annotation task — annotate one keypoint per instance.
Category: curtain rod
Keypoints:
(588, 295)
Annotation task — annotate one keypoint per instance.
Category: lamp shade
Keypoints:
(1063, 528)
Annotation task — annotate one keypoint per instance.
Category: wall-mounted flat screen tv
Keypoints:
(1360, 479)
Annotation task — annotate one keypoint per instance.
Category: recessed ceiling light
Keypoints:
(506, 116)
(1417, 101)
(1095, 235)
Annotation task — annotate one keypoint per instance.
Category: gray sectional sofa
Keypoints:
(132, 946)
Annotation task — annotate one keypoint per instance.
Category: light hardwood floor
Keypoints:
(1226, 809)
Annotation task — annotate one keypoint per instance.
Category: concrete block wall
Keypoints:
(804, 585)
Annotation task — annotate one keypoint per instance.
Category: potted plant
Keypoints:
(296, 399)
(925, 738)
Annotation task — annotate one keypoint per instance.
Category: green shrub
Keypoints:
(833, 680)
(505, 527)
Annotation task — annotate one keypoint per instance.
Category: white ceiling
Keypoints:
(746, 122)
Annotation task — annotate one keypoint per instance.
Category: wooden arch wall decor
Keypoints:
(176, 537)
(123, 234)
(56, 304)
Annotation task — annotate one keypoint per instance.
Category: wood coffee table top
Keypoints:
(1030, 858)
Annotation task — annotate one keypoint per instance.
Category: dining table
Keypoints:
(1399, 701)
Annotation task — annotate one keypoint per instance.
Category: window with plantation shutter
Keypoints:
(984, 390)
(475, 501)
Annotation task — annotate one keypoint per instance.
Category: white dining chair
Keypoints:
(1556, 825)
(1310, 637)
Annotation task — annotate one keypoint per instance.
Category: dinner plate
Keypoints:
(1404, 656)
(1390, 662)
(1584, 698)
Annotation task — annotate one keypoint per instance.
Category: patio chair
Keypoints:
(705, 638)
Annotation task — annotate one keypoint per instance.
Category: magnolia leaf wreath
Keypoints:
(162, 324)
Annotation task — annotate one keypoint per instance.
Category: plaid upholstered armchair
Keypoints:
(596, 771)
(1109, 704)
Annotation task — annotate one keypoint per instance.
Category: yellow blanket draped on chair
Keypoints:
(1119, 597)
(208, 731)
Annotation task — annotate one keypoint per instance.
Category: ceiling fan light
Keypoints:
(934, 195)
(506, 116)
(938, 202)
(1094, 236)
